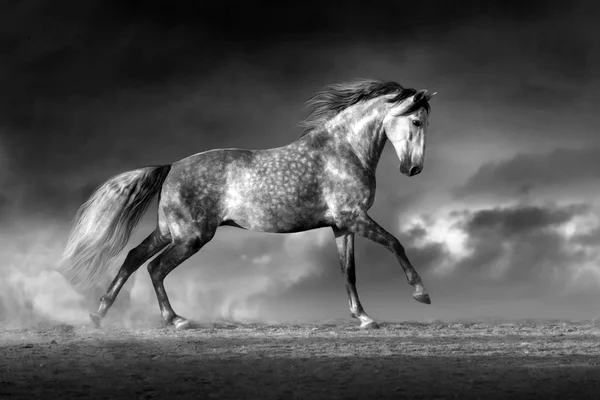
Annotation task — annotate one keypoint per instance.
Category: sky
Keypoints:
(503, 222)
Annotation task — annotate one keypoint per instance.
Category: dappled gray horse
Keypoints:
(326, 178)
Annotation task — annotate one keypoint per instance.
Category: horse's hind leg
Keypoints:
(137, 256)
(177, 252)
(345, 246)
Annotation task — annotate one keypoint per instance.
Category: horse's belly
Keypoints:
(266, 217)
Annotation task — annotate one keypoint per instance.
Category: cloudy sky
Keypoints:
(503, 221)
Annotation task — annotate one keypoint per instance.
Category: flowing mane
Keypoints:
(335, 98)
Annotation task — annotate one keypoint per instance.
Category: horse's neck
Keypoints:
(361, 126)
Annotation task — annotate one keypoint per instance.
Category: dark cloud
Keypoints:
(416, 232)
(73, 52)
(561, 170)
(521, 246)
(511, 222)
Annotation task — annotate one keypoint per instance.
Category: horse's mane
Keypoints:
(335, 98)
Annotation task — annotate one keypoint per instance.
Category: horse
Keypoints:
(325, 178)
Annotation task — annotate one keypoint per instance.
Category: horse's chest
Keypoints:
(351, 192)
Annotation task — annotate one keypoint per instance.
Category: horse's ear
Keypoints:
(429, 96)
(423, 93)
(419, 95)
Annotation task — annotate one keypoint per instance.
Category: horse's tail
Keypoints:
(105, 222)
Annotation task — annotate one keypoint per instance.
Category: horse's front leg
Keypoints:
(363, 225)
(345, 247)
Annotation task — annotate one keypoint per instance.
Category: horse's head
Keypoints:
(405, 125)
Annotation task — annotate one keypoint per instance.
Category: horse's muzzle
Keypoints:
(410, 170)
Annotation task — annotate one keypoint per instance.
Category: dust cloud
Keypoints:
(227, 280)
(31, 292)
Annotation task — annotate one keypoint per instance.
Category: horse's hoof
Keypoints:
(369, 325)
(95, 320)
(422, 298)
(183, 324)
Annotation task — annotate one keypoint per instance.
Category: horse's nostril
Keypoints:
(414, 171)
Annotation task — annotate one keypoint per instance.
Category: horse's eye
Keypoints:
(416, 122)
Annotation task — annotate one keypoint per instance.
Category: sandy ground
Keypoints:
(328, 361)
